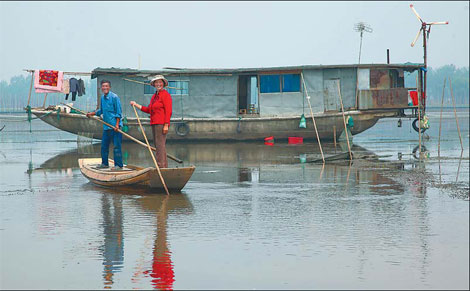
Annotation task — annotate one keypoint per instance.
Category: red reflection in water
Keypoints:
(162, 271)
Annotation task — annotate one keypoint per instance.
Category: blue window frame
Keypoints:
(175, 88)
(270, 83)
(178, 87)
(291, 83)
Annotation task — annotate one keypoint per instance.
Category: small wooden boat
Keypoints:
(175, 178)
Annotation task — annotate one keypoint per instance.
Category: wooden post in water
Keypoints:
(334, 136)
(440, 121)
(455, 113)
(313, 118)
(344, 121)
(30, 86)
(419, 111)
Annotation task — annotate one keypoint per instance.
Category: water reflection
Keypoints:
(154, 208)
(251, 164)
(113, 245)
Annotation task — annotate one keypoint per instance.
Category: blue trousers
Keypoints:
(116, 137)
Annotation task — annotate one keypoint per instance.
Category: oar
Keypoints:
(125, 134)
(150, 151)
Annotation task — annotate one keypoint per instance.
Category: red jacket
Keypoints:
(160, 108)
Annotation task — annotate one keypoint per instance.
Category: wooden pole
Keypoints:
(455, 113)
(419, 112)
(31, 86)
(440, 120)
(334, 136)
(313, 118)
(344, 121)
(125, 134)
(44, 104)
(150, 151)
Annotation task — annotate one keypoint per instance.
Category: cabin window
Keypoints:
(291, 83)
(270, 83)
(174, 88)
(178, 87)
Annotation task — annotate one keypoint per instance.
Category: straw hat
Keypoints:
(159, 77)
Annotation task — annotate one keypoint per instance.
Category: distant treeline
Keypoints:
(460, 80)
(14, 94)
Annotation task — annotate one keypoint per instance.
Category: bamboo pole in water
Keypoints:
(440, 120)
(334, 136)
(30, 86)
(313, 118)
(419, 114)
(344, 122)
(455, 113)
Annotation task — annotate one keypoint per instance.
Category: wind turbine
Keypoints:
(426, 29)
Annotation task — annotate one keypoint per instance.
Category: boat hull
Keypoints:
(175, 178)
(223, 129)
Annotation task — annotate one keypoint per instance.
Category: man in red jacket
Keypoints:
(160, 109)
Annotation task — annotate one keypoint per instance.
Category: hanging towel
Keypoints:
(48, 81)
(81, 87)
(66, 86)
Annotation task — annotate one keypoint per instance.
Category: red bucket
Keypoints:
(295, 140)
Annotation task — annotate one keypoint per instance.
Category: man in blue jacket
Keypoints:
(111, 110)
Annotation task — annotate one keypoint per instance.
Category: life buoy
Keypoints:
(416, 128)
(182, 129)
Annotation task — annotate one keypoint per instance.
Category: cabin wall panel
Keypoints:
(211, 96)
(314, 83)
(347, 78)
(281, 104)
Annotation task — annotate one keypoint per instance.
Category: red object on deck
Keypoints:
(295, 140)
(414, 97)
(269, 143)
(269, 138)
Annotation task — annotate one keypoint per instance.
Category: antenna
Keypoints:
(361, 27)
(426, 30)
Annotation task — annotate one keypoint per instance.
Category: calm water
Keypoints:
(252, 216)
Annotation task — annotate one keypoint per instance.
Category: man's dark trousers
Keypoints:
(116, 137)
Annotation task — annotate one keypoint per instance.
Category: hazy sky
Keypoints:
(80, 36)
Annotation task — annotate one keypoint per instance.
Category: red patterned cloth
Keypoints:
(48, 77)
(48, 81)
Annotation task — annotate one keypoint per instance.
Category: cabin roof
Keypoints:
(209, 71)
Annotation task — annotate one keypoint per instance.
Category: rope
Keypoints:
(29, 119)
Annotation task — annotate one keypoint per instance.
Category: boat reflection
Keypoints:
(257, 163)
(155, 208)
(113, 246)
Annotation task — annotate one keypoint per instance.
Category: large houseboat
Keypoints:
(253, 103)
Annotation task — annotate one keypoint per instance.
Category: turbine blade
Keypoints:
(438, 22)
(416, 38)
(416, 13)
